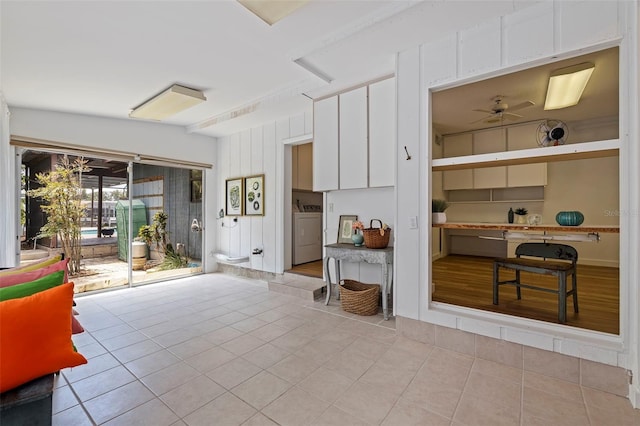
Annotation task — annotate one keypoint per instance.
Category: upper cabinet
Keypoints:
(353, 139)
(358, 128)
(382, 132)
(325, 144)
(302, 167)
(487, 142)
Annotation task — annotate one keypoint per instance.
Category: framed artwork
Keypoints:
(254, 195)
(234, 196)
(345, 230)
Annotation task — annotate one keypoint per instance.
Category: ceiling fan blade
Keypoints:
(525, 104)
(481, 119)
(486, 111)
(511, 116)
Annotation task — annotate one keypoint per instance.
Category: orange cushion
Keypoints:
(35, 336)
(32, 266)
(23, 277)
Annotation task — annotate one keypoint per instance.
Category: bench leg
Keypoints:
(495, 283)
(518, 285)
(562, 297)
(574, 286)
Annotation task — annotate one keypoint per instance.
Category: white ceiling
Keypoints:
(105, 57)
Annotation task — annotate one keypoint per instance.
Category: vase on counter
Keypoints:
(439, 217)
(521, 219)
(357, 239)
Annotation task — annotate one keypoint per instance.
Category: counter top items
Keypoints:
(521, 215)
(350, 253)
(518, 227)
(572, 218)
(438, 207)
(510, 214)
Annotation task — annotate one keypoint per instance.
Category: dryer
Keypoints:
(307, 237)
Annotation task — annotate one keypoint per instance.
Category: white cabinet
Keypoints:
(354, 167)
(302, 167)
(382, 133)
(458, 146)
(486, 142)
(325, 144)
(524, 137)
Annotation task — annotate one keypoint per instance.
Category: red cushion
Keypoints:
(23, 277)
(36, 336)
(32, 266)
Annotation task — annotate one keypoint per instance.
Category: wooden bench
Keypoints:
(564, 264)
(28, 404)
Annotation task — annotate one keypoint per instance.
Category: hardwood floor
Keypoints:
(467, 281)
(311, 269)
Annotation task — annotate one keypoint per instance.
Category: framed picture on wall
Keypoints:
(345, 229)
(254, 195)
(234, 196)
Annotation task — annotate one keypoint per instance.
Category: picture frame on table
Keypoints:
(345, 229)
(234, 196)
(254, 195)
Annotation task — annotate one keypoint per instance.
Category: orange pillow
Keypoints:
(35, 336)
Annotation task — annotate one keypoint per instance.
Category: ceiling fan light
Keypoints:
(566, 86)
(173, 100)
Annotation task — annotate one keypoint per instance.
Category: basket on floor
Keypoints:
(359, 298)
(376, 238)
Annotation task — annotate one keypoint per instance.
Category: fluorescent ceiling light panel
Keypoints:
(173, 100)
(566, 85)
(271, 11)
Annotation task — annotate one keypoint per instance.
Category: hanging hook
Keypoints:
(405, 150)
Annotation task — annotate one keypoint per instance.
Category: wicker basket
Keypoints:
(373, 237)
(359, 298)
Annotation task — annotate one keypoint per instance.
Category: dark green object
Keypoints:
(572, 218)
(32, 287)
(510, 215)
(122, 224)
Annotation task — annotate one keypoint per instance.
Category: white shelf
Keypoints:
(606, 148)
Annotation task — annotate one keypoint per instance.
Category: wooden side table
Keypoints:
(351, 253)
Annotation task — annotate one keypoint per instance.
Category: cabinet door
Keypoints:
(382, 133)
(457, 146)
(354, 165)
(305, 166)
(485, 142)
(524, 137)
(294, 167)
(325, 144)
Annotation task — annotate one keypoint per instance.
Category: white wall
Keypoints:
(501, 45)
(367, 204)
(127, 136)
(260, 150)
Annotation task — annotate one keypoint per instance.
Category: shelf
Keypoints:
(577, 151)
(614, 229)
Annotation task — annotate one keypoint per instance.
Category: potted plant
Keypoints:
(521, 215)
(438, 207)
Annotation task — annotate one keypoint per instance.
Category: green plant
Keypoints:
(438, 205)
(61, 193)
(172, 260)
(521, 211)
(145, 233)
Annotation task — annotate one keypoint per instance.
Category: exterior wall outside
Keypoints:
(177, 205)
(466, 56)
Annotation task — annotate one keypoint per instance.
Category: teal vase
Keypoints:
(572, 218)
(357, 239)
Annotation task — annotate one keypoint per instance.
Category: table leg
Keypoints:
(328, 275)
(337, 279)
(385, 281)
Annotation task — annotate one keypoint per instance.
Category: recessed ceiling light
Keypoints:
(173, 100)
(566, 85)
(271, 11)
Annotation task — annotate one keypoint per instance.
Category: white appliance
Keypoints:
(307, 237)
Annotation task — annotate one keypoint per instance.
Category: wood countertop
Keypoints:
(519, 227)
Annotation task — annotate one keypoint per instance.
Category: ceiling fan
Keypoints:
(501, 110)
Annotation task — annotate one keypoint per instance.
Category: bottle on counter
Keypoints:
(510, 215)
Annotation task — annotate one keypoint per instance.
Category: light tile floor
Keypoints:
(223, 350)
